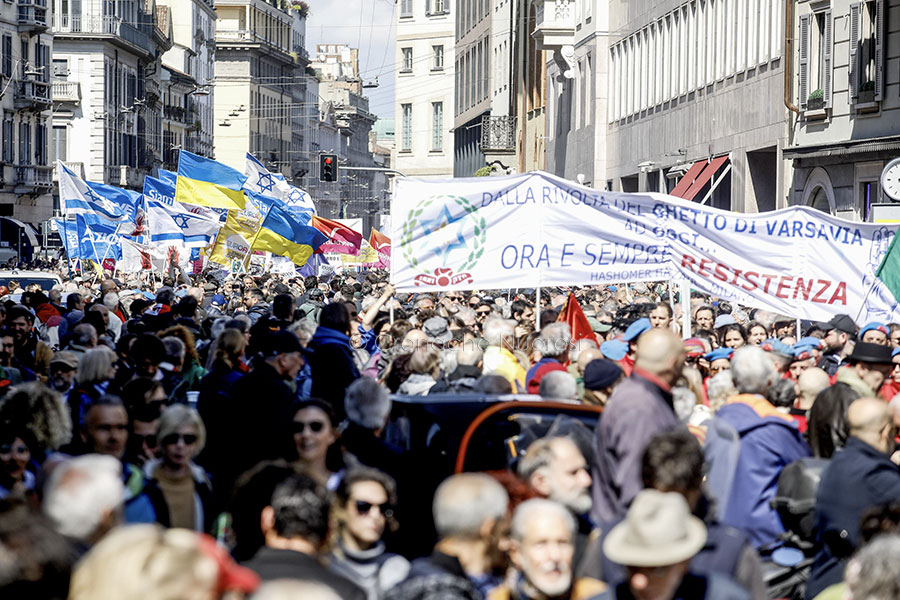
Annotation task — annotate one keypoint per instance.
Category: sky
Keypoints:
(365, 24)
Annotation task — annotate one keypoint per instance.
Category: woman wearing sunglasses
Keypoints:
(179, 489)
(362, 510)
(319, 453)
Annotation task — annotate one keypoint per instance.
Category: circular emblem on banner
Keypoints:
(453, 240)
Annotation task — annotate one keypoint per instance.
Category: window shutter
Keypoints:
(879, 49)
(427, 7)
(827, 61)
(853, 63)
(803, 66)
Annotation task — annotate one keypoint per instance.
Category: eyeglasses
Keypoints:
(173, 438)
(364, 508)
(482, 313)
(314, 426)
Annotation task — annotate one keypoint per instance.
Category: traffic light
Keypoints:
(328, 167)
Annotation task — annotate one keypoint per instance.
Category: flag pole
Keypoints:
(672, 302)
(537, 309)
(862, 304)
(686, 308)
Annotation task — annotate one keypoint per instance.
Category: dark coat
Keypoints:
(330, 359)
(770, 441)
(215, 394)
(437, 576)
(256, 425)
(639, 408)
(271, 564)
(858, 477)
(693, 587)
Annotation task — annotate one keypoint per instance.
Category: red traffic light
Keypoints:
(327, 160)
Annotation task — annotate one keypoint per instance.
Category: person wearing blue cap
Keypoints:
(632, 333)
(875, 333)
(216, 306)
(719, 360)
(805, 356)
(781, 354)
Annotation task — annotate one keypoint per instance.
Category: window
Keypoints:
(866, 61)
(406, 142)
(7, 141)
(407, 60)
(440, 7)
(437, 126)
(815, 59)
(60, 69)
(438, 58)
(7, 55)
(406, 8)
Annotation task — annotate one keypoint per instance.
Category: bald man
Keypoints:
(638, 409)
(864, 466)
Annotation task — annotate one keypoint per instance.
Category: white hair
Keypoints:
(496, 328)
(558, 385)
(111, 300)
(555, 339)
(469, 354)
(719, 388)
(304, 329)
(874, 571)
(463, 502)
(367, 403)
(81, 492)
(94, 365)
(752, 370)
(528, 510)
(466, 315)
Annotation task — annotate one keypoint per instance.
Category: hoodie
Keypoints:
(770, 440)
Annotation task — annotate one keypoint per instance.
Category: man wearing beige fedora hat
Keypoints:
(656, 542)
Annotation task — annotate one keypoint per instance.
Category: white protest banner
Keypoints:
(539, 230)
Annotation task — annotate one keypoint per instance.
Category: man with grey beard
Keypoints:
(541, 550)
(556, 468)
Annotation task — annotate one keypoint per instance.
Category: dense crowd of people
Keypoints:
(213, 436)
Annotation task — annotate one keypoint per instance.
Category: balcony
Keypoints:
(123, 176)
(33, 95)
(498, 134)
(31, 179)
(32, 16)
(554, 30)
(243, 37)
(75, 167)
(66, 91)
(126, 35)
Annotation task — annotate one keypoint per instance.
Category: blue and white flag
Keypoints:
(68, 234)
(261, 181)
(97, 240)
(79, 198)
(179, 224)
(168, 176)
(159, 190)
(299, 201)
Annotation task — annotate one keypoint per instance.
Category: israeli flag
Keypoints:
(261, 181)
(191, 227)
(79, 198)
(299, 200)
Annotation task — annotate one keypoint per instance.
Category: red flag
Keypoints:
(340, 237)
(382, 245)
(572, 314)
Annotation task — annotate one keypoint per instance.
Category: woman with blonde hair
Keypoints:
(147, 562)
(425, 370)
(96, 369)
(178, 488)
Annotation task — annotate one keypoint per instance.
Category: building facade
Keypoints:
(845, 57)
(258, 63)
(25, 101)
(472, 83)
(424, 91)
(187, 78)
(106, 82)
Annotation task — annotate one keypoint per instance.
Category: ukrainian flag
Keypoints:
(282, 233)
(205, 182)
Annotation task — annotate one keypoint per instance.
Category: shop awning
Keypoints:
(688, 178)
(704, 177)
(29, 231)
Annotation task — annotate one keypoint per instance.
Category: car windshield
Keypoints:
(46, 283)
